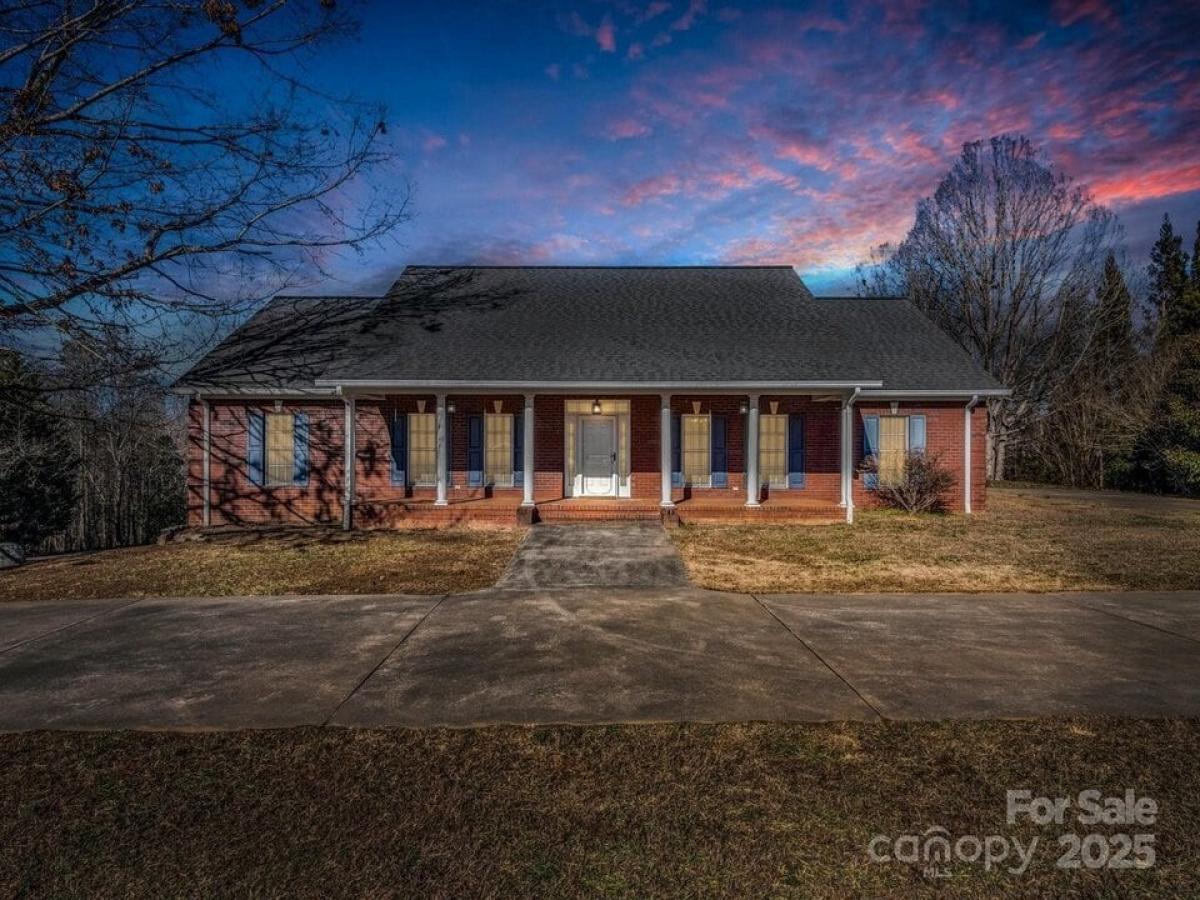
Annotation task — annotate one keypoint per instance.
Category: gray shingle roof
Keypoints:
(654, 325)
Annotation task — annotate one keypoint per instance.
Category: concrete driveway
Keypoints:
(593, 655)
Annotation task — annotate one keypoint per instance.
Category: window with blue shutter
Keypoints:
(475, 450)
(916, 434)
(796, 451)
(676, 453)
(720, 453)
(300, 450)
(518, 452)
(255, 446)
(399, 448)
(871, 448)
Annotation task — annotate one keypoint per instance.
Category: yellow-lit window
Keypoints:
(893, 448)
(697, 467)
(422, 448)
(281, 454)
(498, 449)
(772, 450)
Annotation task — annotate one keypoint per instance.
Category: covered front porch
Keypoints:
(497, 457)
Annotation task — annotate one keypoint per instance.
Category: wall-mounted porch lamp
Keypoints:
(744, 408)
(450, 407)
(595, 407)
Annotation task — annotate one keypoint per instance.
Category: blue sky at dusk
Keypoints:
(692, 132)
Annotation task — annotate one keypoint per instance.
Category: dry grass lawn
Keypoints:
(631, 811)
(393, 562)
(1029, 539)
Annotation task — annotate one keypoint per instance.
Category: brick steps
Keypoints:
(565, 513)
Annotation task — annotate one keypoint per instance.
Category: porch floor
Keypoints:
(503, 510)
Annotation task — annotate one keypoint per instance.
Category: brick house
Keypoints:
(563, 393)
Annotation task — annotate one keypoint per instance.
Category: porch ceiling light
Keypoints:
(595, 407)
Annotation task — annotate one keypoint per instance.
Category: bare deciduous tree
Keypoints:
(1006, 256)
(163, 160)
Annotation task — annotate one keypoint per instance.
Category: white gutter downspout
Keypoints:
(848, 454)
(967, 453)
(206, 464)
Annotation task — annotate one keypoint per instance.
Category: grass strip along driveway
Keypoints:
(1029, 539)
(317, 562)
(694, 810)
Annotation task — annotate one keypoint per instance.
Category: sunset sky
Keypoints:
(693, 132)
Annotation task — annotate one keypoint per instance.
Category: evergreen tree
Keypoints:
(1168, 455)
(1115, 347)
(1187, 312)
(1196, 257)
(1168, 275)
(37, 471)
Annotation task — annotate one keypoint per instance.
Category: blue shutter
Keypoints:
(475, 450)
(916, 434)
(518, 451)
(871, 448)
(676, 454)
(796, 451)
(254, 446)
(300, 449)
(720, 455)
(399, 448)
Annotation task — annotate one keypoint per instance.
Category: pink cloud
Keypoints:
(553, 71)
(606, 36)
(636, 51)
(652, 188)
(655, 9)
(1032, 41)
(696, 9)
(623, 129)
(433, 143)
(1148, 185)
(1069, 12)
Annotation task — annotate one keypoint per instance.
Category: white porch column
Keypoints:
(665, 451)
(970, 407)
(207, 464)
(848, 458)
(528, 458)
(752, 485)
(348, 463)
(440, 445)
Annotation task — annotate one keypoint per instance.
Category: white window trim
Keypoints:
(266, 462)
(787, 438)
(512, 439)
(905, 417)
(683, 447)
(411, 470)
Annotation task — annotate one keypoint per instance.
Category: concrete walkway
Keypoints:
(593, 655)
(618, 555)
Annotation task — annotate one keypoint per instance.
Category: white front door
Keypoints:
(598, 455)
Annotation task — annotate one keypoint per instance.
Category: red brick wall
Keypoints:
(548, 447)
(822, 442)
(943, 439)
(236, 501)
(735, 440)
